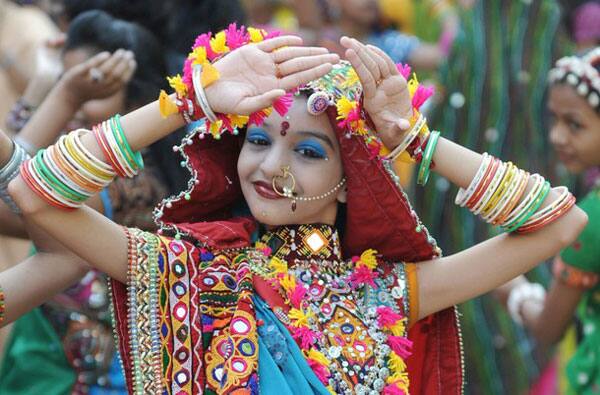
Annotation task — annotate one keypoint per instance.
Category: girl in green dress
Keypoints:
(574, 101)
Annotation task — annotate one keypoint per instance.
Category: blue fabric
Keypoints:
(398, 46)
(106, 203)
(115, 378)
(282, 367)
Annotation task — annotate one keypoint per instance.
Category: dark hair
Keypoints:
(98, 31)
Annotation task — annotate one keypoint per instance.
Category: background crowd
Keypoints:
(488, 60)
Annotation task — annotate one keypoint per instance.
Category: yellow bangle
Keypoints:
(504, 183)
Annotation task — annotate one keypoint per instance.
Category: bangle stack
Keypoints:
(66, 174)
(497, 194)
(418, 146)
(9, 172)
(521, 293)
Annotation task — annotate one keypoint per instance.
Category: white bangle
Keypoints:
(463, 195)
(489, 192)
(201, 95)
(519, 294)
(411, 135)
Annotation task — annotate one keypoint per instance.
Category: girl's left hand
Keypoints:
(386, 96)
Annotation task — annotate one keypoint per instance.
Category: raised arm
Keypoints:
(483, 267)
(251, 78)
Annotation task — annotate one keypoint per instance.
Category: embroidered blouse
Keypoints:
(197, 320)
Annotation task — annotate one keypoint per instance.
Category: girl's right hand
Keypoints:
(253, 76)
(99, 77)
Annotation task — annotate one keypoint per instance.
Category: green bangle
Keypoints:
(63, 189)
(532, 209)
(138, 161)
(425, 168)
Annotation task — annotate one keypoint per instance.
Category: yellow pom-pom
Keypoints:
(344, 106)
(166, 105)
(318, 356)
(300, 317)
(369, 258)
(198, 55)
(238, 121)
(288, 283)
(280, 266)
(178, 85)
(219, 43)
(256, 35)
(399, 328)
(413, 84)
(331, 391)
(396, 364)
(215, 128)
(209, 74)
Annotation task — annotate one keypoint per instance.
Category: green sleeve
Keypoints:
(584, 254)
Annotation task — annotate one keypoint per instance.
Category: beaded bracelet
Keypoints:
(425, 167)
(9, 172)
(2, 306)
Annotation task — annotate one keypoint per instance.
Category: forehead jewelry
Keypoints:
(288, 188)
(285, 125)
(317, 103)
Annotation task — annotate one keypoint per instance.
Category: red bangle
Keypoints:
(551, 217)
(33, 185)
(487, 180)
(105, 147)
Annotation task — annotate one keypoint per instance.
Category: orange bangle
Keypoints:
(515, 201)
(487, 180)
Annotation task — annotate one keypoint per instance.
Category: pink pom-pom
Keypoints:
(297, 295)
(204, 41)
(404, 69)
(306, 337)
(283, 104)
(387, 317)
(400, 345)
(393, 389)
(267, 251)
(363, 275)
(187, 74)
(236, 37)
(257, 118)
(421, 95)
(321, 371)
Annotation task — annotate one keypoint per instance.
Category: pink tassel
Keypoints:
(257, 118)
(267, 251)
(297, 296)
(320, 370)
(404, 69)
(421, 95)
(387, 317)
(393, 389)
(400, 345)
(187, 74)
(306, 337)
(363, 275)
(283, 104)
(204, 41)
(236, 37)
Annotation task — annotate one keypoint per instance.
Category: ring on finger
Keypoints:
(96, 75)
(277, 71)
